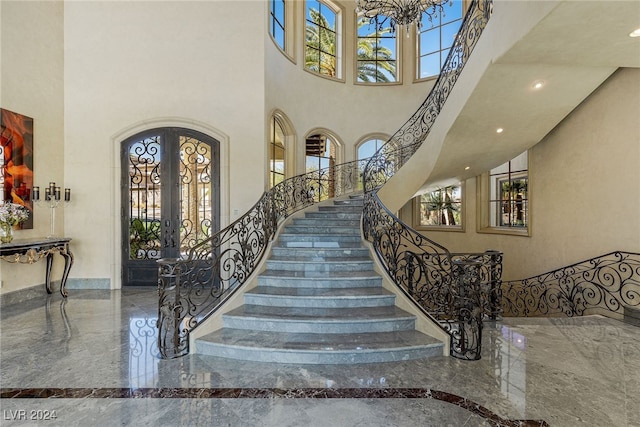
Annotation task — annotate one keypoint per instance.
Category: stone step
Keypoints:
(322, 266)
(350, 202)
(321, 229)
(336, 222)
(341, 208)
(319, 320)
(319, 297)
(319, 240)
(317, 254)
(334, 215)
(290, 279)
(323, 348)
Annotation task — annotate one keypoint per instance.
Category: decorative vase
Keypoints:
(6, 232)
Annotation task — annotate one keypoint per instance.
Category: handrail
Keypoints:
(406, 141)
(604, 285)
(191, 288)
(457, 291)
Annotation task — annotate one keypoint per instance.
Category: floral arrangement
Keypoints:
(13, 213)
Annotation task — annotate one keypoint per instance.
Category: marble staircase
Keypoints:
(319, 301)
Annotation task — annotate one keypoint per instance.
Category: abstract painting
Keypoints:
(16, 160)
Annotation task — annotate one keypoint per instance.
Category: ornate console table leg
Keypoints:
(48, 272)
(30, 251)
(68, 262)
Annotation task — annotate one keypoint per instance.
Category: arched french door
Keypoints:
(170, 197)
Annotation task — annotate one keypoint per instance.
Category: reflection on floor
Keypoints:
(93, 360)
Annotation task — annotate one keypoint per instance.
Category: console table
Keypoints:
(29, 251)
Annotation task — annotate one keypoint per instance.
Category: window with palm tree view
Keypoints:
(440, 208)
(509, 193)
(321, 39)
(377, 52)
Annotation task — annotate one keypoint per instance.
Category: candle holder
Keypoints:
(52, 200)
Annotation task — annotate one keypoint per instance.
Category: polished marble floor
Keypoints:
(92, 360)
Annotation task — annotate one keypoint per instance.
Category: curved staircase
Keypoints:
(319, 301)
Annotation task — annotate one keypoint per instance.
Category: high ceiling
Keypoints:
(571, 49)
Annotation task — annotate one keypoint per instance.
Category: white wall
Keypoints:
(143, 64)
(584, 188)
(31, 64)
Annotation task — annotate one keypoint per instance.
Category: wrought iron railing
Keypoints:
(457, 291)
(406, 141)
(602, 285)
(191, 288)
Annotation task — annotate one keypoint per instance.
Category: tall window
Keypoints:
(377, 52)
(322, 42)
(504, 198)
(436, 37)
(509, 193)
(276, 153)
(277, 22)
(441, 208)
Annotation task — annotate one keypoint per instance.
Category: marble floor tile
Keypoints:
(95, 354)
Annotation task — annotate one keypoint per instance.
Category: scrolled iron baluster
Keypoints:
(605, 284)
(191, 288)
(468, 308)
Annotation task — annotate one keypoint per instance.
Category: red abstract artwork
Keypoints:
(16, 160)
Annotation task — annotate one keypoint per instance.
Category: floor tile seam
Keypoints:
(270, 393)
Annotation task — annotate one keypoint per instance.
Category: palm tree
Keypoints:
(320, 51)
(375, 62)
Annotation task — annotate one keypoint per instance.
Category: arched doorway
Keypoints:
(170, 186)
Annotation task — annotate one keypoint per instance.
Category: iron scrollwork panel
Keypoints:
(145, 201)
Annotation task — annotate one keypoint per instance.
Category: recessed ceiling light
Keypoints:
(635, 33)
(538, 84)
(467, 168)
(499, 130)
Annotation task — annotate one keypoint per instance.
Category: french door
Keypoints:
(170, 198)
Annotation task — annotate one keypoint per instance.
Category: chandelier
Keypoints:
(399, 12)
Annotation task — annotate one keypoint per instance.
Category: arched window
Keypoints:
(436, 36)
(322, 39)
(277, 151)
(369, 147)
(321, 153)
(377, 52)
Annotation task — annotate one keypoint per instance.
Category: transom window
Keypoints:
(377, 52)
(277, 22)
(322, 42)
(436, 36)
